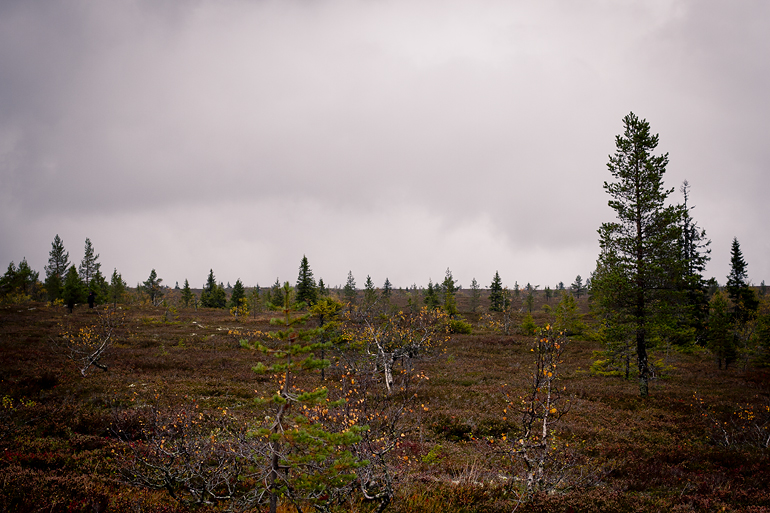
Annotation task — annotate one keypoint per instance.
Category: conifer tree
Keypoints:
(744, 300)
(19, 282)
(695, 255)
(475, 295)
(117, 287)
(431, 299)
(213, 295)
(74, 290)
(58, 263)
(153, 288)
(349, 290)
(634, 283)
(306, 461)
(187, 294)
(496, 299)
(307, 292)
(370, 293)
(89, 265)
(577, 286)
(322, 290)
(449, 287)
(275, 294)
(387, 289)
(238, 295)
(721, 340)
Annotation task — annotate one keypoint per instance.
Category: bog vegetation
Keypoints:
(643, 387)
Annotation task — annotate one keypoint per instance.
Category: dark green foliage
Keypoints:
(721, 341)
(89, 265)
(744, 300)
(307, 292)
(449, 288)
(187, 294)
(431, 299)
(275, 296)
(322, 290)
(349, 290)
(117, 288)
(387, 289)
(238, 294)
(74, 290)
(58, 262)
(529, 300)
(370, 293)
(20, 282)
(99, 286)
(213, 295)
(578, 288)
(695, 256)
(151, 286)
(496, 299)
(639, 265)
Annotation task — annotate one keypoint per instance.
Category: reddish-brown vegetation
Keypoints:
(61, 450)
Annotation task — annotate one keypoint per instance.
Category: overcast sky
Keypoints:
(389, 138)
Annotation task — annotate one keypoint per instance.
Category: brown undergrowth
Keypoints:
(59, 450)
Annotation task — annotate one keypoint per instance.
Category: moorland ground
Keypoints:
(59, 450)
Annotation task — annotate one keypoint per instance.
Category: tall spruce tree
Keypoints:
(496, 298)
(695, 253)
(744, 300)
(387, 289)
(213, 295)
(349, 290)
(74, 291)
(117, 287)
(89, 265)
(370, 293)
(238, 295)
(58, 263)
(475, 295)
(187, 294)
(638, 265)
(306, 289)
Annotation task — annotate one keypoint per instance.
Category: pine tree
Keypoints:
(475, 295)
(322, 290)
(306, 460)
(20, 282)
(349, 290)
(577, 287)
(307, 292)
(58, 263)
(370, 293)
(744, 300)
(74, 291)
(721, 340)
(636, 271)
(431, 299)
(153, 288)
(117, 287)
(387, 290)
(238, 295)
(187, 294)
(496, 299)
(213, 295)
(89, 265)
(449, 287)
(276, 294)
(695, 255)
